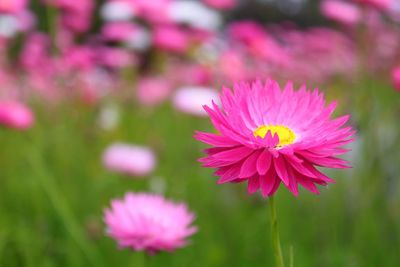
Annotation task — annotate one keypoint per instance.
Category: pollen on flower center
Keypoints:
(285, 134)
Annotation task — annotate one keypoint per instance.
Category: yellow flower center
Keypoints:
(285, 134)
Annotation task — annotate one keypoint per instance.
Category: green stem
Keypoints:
(276, 243)
(51, 15)
(291, 259)
(140, 260)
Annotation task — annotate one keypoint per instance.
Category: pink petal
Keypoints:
(253, 184)
(267, 182)
(233, 155)
(264, 162)
(280, 168)
(249, 166)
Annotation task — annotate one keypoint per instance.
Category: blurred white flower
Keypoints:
(9, 26)
(117, 11)
(140, 40)
(191, 99)
(129, 159)
(195, 14)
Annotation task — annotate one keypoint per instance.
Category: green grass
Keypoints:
(54, 189)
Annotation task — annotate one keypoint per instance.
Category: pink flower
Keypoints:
(12, 6)
(153, 90)
(193, 74)
(246, 32)
(118, 31)
(268, 136)
(16, 115)
(396, 78)
(129, 159)
(380, 4)
(170, 38)
(35, 52)
(79, 58)
(72, 5)
(75, 15)
(257, 40)
(155, 11)
(148, 222)
(343, 12)
(231, 65)
(221, 4)
(191, 99)
(115, 57)
(78, 22)
(26, 20)
(132, 35)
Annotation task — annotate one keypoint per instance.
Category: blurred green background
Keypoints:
(54, 189)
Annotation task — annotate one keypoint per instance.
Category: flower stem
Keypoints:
(140, 260)
(276, 243)
(51, 15)
(291, 258)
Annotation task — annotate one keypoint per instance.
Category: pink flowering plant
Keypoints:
(148, 222)
(267, 137)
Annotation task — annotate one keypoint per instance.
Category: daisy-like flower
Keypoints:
(268, 136)
(148, 222)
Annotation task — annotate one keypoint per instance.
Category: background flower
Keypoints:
(149, 222)
(129, 159)
(16, 115)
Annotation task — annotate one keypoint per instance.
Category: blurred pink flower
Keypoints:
(119, 31)
(154, 11)
(171, 39)
(79, 58)
(75, 15)
(246, 32)
(191, 99)
(200, 36)
(396, 78)
(382, 40)
(129, 159)
(221, 4)
(257, 40)
(16, 115)
(115, 57)
(231, 65)
(76, 21)
(152, 90)
(72, 5)
(341, 11)
(12, 6)
(26, 20)
(380, 4)
(193, 74)
(35, 52)
(331, 52)
(149, 222)
(267, 136)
